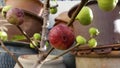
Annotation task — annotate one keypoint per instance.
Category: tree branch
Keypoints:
(45, 22)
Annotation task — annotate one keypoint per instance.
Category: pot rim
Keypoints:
(28, 59)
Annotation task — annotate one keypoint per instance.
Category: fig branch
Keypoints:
(45, 22)
(11, 54)
(82, 3)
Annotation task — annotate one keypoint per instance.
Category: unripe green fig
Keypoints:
(37, 36)
(46, 44)
(3, 36)
(107, 5)
(53, 10)
(93, 31)
(35, 43)
(85, 16)
(92, 43)
(5, 9)
(15, 16)
(80, 40)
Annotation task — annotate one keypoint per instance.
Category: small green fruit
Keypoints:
(3, 36)
(37, 36)
(93, 31)
(35, 43)
(80, 40)
(53, 10)
(46, 44)
(107, 5)
(85, 16)
(92, 43)
(5, 9)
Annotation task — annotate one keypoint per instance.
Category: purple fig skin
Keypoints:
(15, 16)
(61, 37)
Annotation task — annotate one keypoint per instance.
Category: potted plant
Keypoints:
(63, 36)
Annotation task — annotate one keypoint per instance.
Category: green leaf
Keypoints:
(18, 37)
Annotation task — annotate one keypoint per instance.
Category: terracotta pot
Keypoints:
(62, 18)
(31, 24)
(34, 6)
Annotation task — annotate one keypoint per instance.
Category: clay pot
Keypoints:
(34, 6)
(62, 18)
(31, 24)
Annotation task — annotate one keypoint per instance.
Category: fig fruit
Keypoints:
(107, 5)
(15, 16)
(80, 40)
(85, 16)
(37, 36)
(92, 42)
(61, 37)
(35, 43)
(3, 36)
(93, 31)
(5, 9)
(53, 10)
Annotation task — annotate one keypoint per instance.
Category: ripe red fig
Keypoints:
(15, 16)
(61, 37)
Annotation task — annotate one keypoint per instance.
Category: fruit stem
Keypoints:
(11, 54)
(54, 6)
(45, 22)
(25, 34)
(82, 3)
